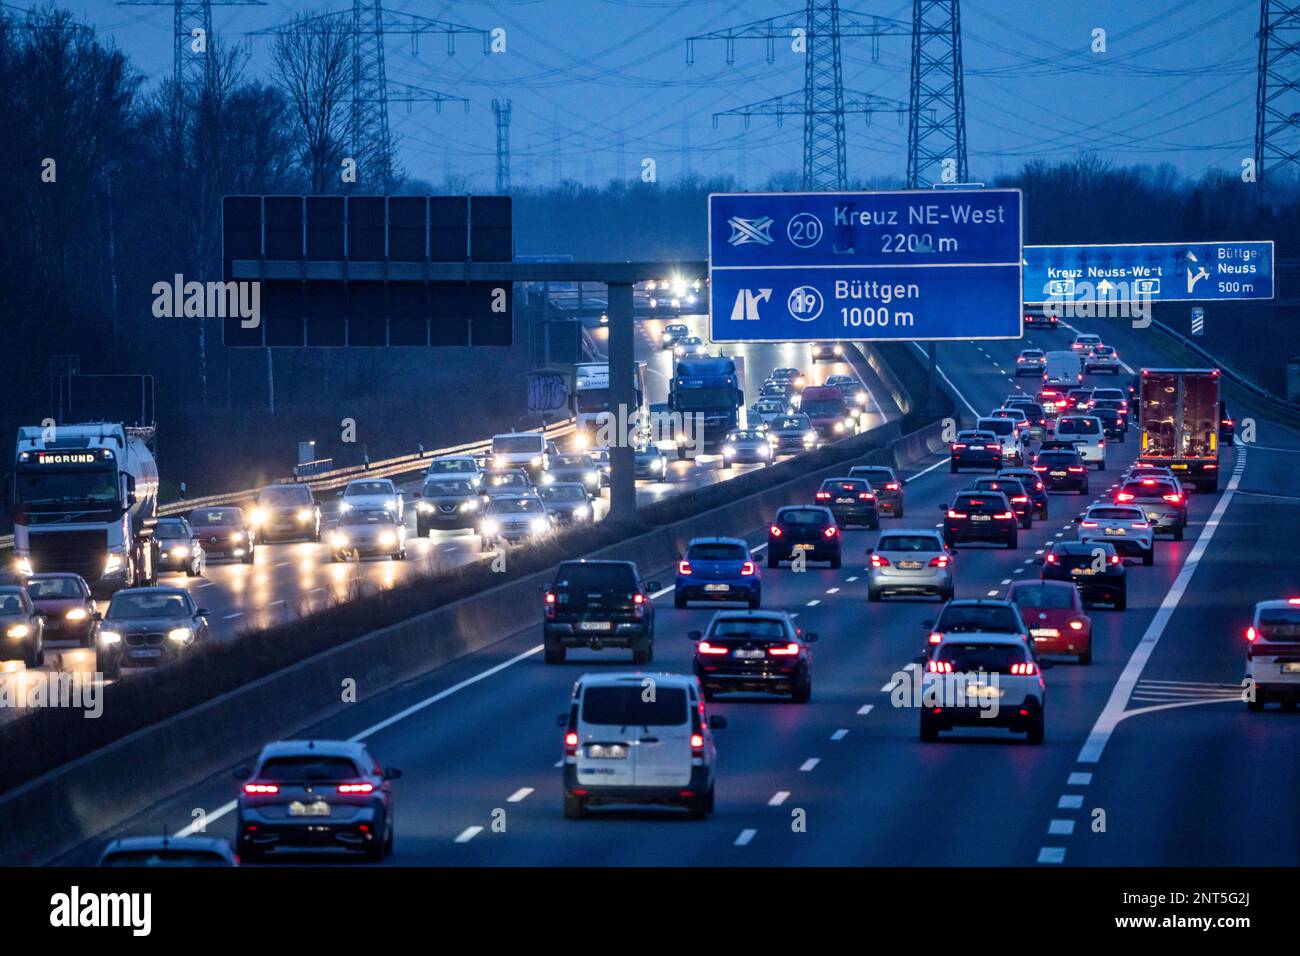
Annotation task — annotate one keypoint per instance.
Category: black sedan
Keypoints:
(803, 529)
(1062, 470)
(980, 516)
(147, 627)
(975, 449)
(851, 500)
(446, 504)
(756, 651)
(1095, 567)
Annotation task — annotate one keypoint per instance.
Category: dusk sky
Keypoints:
(1176, 84)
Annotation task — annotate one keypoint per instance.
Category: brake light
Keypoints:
(1038, 486)
(891, 486)
(790, 650)
(1087, 524)
(941, 561)
(958, 445)
(571, 743)
(879, 561)
(1004, 515)
(1174, 499)
(1293, 601)
(831, 532)
(1140, 525)
(550, 605)
(774, 531)
(1126, 496)
(704, 647)
(1040, 468)
(748, 569)
(1024, 669)
(684, 568)
(1148, 481)
(957, 514)
(866, 496)
(993, 447)
(1051, 559)
(1076, 625)
(1075, 469)
(1251, 634)
(1019, 499)
(356, 788)
(261, 788)
(1115, 559)
(697, 745)
(550, 597)
(935, 637)
(638, 598)
(823, 496)
(939, 667)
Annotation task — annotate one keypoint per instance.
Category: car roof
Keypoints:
(872, 468)
(717, 539)
(46, 575)
(299, 748)
(469, 458)
(552, 486)
(633, 678)
(1274, 604)
(1094, 507)
(153, 590)
(910, 533)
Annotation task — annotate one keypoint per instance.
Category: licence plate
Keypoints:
(1178, 467)
(1153, 516)
(145, 652)
(844, 501)
(717, 587)
(317, 809)
(805, 547)
(749, 654)
(1117, 531)
(595, 625)
(1087, 570)
(980, 518)
(1057, 474)
(909, 565)
(1291, 668)
(1044, 632)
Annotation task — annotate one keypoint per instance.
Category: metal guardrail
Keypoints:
(338, 477)
(1262, 394)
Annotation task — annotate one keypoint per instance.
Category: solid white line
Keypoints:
(745, 837)
(519, 794)
(778, 798)
(839, 734)
(809, 764)
(864, 710)
(468, 834)
(1113, 712)
(1079, 779)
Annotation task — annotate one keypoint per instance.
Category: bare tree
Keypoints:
(313, 58)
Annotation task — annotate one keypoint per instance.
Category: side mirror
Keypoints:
(561, 720)
(1076, 519)
(203, 612)
(717, 722)
(130, 497)
(42, 615)
(243, 773)
(694, 635)
(943, 507)
(869, 550)
(652, 586)
(810, 637)
(392, 773)
(417, 495)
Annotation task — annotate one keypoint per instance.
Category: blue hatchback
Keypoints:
(718, 569)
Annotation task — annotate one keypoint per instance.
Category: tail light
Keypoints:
(1174, 499)
(1141, 525)
(1050, 559)
(261, 788)
(1211, 467)
(823, 496)
(1227, 421)
(958, 445)
(935, 637)
(942, 561)
(1024, 669)
(697, 745)
(774, 531)
(879, 561)
(789, 650)
(939, 667)
(1038, 486)
(992, 447)
(1101, 443)
(638, 598)
(1040, 468)
(956, 514)
(748, 569)
(1251, 635)
(704, 647)
(1076, 625)
(1150, 482)
(1020, 500)
(571, 743)
(1115, 559)
(866, 496)
(1005, 515)
(638, 605)
(892, 486)
(1075, 469)
(832, 531)
(1087, 524)
(550, 605)
(1125, 496)
(684, 568)
(356, 788)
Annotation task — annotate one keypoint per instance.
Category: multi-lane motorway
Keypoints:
(1149, 758)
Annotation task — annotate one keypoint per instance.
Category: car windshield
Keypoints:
(979, 617)
(434, 488)
(367, 517)
(452, 466)
(1008, 486)
(1077, 426)
(749, 627)
(908, 542)
(791, 422)
(579, 574)
(369, 488)
(564, 493)
(823, 406)
(871, 474)
(41, 588)
(1042, 597)
(998, 426)
(510, 481)
(976, 436)
(516, 506)
(11, 602)
(1149, 488)
(1116, 514)
(517, 444)
(127, 605)
(987, 658)
(968, 502)
(573, 461)
(746, 436)
(717, 551)
(802, 516)
(628, 706)
(285, 495)
(171, 529)
(163, 857)
(218, 517)
(308, 767)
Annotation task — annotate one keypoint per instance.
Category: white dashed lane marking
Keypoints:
(745, 837)
(468, 834)
(778, 798)
(809, 764)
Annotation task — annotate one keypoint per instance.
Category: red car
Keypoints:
(65, 601)
(225, 531)
(1054, 612)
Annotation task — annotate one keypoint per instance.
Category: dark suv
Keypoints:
(1062, 470)
(886, 484)
(1021, 502)
(851, 500)
(599, 604)
(803, 528)
(1095, 567)
(980, 516)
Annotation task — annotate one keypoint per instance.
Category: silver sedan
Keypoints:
(910, 562)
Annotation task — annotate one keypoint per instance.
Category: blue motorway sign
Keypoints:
(1161, 272)
(813, 267)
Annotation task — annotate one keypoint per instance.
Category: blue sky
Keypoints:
(1176, 84)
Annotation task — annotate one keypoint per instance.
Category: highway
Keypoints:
(1149, 758)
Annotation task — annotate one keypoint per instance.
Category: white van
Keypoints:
(638, 738)
(1063, 368)
(1088, 436)
(526, 450)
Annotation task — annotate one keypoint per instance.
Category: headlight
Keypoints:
(339, 539)
(535, 461)
(581, 441)
(582, 511)
(469, 505)
(258, 516)
(500, 461)
(424, 507)
(679, 350)
(388, 538)
(593, 477)
(548, 479)
(728, 449)
(109, 637)
(839, 426)
(540, 526)
(181, 551)
(809, 437)
(345, 507)
(764, 449)
(179, 634)
(113, 563)
(23, 566)
(76, 614)
(489, 527)
(304, 515)
(860, 398)
(838, 350)
(237, 536)
(18, 630)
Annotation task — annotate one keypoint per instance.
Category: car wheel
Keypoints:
(836, 561)
(1255, 705)
(1086, 657)
(875, 524)
(772, 560)
(251, 854)
(697, 808)
(575, 808)
(1013, 542)
(1035, 733)
(388, 841)
(643, 653)
(1149, 558)
(929, 729)
(801, 693)
(873, 594)
(1028, 522)
(756, 601)
(553, 653)
(1121, 602)
(953, 468)
(679, 600)
(947, 595)
(1178, 534)
(37, 656)
(1101, 465)
(1084, 489)
(899, 512)
(709, 693)
(374, 853)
